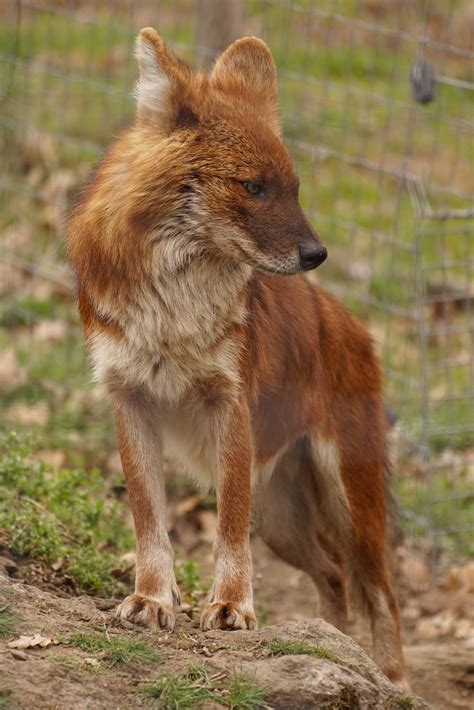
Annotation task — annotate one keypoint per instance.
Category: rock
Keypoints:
(105, 604)
(302, 681)
(18, 655)
(8, 566)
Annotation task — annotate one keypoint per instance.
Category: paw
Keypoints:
(230, 615)
(146, 611)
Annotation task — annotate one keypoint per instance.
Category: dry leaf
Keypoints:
(114, 464)
(187, 609)
(10, 371)
(29, 414)
(11, 279)
(461, 577)
(208, 523)
(18, 655)
(50, 330)
(178, 510)
(91, 661)
(186, 505)
(30, 642)
(51, 457)
(58, 564)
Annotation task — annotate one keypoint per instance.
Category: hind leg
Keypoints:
(369, 570)
(352, 498)
(286, 517)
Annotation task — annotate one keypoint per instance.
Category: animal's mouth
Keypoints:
(273, 265)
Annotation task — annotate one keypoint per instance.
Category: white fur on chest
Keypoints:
(174, 330)
(178, 334)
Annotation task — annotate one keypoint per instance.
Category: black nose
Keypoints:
(312, 255)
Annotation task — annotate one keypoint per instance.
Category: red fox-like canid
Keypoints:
(188, 247)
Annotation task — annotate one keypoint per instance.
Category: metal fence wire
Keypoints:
(377, 107)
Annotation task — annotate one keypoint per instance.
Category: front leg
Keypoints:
(231, 602)
(140, 451)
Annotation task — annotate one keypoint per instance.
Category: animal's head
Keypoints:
(215, 141)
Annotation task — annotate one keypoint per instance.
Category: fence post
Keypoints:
(218, 25)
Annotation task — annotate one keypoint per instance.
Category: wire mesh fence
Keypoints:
(387, 178)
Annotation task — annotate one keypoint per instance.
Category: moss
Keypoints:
(406, 702)
(280, 647)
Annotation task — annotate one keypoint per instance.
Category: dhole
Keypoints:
(188, 247)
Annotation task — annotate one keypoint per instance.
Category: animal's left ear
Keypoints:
(164, 92)
(247, 68)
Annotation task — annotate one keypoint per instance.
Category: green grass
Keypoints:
(280, 647)
(175, 692)
(448, 502)
(67, 516)
(114, 651)
(59, 375)
(188, 576)
(69, 662)
(8, 620)
(404, 703)
(244, 695)
(27, 311)
(4, 698)
(195, 688)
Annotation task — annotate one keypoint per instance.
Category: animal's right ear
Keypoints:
(247, 69)
(163, 92)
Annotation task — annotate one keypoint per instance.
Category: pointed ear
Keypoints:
(247, 67)
(163, 91)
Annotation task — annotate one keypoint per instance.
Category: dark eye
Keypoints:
(254, 188)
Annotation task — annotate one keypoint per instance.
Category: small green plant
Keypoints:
(195, 672)
(4, 698)
(244, 695)
(280, 647)
(7, 620)
(64, 516)
(114, 650)
(406, 702)
(175, 692)
(180, 692)
(263, 617)
(69, 662)
(188, 575)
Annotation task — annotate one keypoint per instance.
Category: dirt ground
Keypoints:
(440, 659)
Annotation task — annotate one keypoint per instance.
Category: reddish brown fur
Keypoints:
(301, 390)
